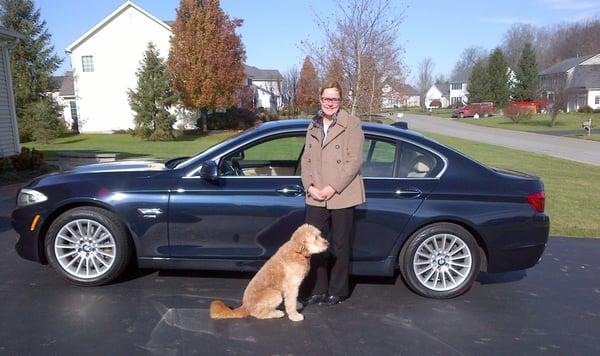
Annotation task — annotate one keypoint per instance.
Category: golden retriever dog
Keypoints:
(278, 280)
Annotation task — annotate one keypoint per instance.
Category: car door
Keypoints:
(250, 210)
(398, 175)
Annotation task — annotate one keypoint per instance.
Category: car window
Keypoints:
(273, 157)
(379, 156)
(416, 162)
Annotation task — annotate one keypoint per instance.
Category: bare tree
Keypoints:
(425, 78)
(363, 37)
(289, 87)
(514, 41)
(467, 60)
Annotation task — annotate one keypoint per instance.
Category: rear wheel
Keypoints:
(461, 115)
(440, 261)
(88, 246)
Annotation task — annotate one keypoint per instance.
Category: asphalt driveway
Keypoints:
(553, 308)
(561, 147)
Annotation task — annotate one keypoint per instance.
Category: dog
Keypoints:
(278, 280)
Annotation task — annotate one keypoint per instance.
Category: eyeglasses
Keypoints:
(330, 100)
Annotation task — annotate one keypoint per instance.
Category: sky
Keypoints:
(274, 29)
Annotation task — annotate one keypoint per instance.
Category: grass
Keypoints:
(572, 189)
(128, 146)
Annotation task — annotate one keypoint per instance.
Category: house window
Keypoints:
(456, 86)
(597, 100)
(73, 107)
(456, 99)
(88, 63)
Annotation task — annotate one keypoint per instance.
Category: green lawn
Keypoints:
(572, 189)
(128, 146)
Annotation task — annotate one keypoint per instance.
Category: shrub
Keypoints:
(27, 160)
(41, 121)
(436, 103)
(456, 105)
(5, 165)
(519, 113)
(232, 119)
(586, 109)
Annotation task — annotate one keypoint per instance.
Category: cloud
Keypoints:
(571, 4)
(585, 16)
(508, 20)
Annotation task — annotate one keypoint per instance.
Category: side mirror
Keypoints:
(208, 171)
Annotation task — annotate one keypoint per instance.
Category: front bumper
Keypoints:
(28, 244)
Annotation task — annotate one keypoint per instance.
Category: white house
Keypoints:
(458, 91)
(105, 60)
(578, 78)
(409, 97)
(438, 91)
(63, 93)
(9, 131)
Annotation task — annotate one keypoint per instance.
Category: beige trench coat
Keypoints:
(336, 162)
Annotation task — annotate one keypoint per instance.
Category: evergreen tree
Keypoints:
(32, 61)
(307, 93)
(498, 79)
(479, 83)
(525, 88)
(153, 98)
(206, 59)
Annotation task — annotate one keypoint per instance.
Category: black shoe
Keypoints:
(313, 299)
(332, 300)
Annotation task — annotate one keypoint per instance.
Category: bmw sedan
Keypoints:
(434, 214)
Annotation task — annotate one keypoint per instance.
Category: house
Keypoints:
(62, 90)
(578, 79)
(458, 91)
(438, 92)
(408, 97)
(267, 84)
(9, 131)
(105, 59)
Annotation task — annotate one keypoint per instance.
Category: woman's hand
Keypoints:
(327, 192)
(315, 193)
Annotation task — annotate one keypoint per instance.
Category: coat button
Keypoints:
(310, 145)
(339, 161)
(337, 147)
(309, 160)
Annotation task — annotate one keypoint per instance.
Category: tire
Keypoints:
(486, 115)
(88, 246)
(452, 264)
(461, 115)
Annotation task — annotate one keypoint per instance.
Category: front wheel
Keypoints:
(440, 261)
(88, 246)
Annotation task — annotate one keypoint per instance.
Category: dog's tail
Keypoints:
(218, 310)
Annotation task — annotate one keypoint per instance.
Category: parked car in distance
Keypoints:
(434, 214)
(469, 110)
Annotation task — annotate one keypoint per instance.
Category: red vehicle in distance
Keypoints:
(481, 109)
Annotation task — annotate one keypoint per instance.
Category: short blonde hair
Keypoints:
(331, 84)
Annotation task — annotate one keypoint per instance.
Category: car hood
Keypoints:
(121, 166)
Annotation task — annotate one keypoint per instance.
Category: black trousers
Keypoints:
(339, 223)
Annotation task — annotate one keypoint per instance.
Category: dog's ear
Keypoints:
(299, 239)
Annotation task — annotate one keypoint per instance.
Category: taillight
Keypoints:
(536, 200)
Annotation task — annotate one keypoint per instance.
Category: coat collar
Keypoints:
(340, 123)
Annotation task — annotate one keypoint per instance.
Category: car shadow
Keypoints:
(5, 224)
(506, 277)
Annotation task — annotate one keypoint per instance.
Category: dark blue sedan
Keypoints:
(434, 214)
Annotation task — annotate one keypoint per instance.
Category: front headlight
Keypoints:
(29, 196)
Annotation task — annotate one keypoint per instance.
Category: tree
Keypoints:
(153, 98)
(363, 36)
(206, 59)
(307, 93)
(289, 87)
(526, 87)
(499, 92)
(514, 41)
(425, 78)
(467, 60)
(32, 62)
(479, 83)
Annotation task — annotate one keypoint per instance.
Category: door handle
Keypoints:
(290, 190)
(407, 192)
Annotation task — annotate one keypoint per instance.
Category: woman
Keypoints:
(331, 177)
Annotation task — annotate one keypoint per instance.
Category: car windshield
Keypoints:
(187, 161)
